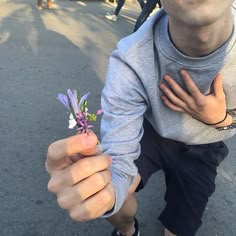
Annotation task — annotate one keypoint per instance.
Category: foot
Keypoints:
(111, 17)
(110, 13)
(39, 4)
(40, 7)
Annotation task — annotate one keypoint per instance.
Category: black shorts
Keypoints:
(190, 172)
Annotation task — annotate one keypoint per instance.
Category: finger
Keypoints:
(80, 170)
(59, 150)
(78, 156)
(218, 86)
(71, 197)
(95, 206)
(169, 104)
(172, 97)
(183, 95)
(191, 86)
(86, 167)
(85, 144)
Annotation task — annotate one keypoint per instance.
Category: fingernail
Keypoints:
(166, 77)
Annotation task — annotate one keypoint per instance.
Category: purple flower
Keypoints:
(79, 111)
(73, 101)
(83, 99)
(64, 100)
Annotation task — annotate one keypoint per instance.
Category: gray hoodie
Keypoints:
(132, 92)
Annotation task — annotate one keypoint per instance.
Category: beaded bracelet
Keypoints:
(226, 127)
(233, 125)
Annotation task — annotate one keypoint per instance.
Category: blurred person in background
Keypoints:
(113, 15)
(40, 4)
(148, 8)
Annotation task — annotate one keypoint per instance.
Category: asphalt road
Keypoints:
(43, 53)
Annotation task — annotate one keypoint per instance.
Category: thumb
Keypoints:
(218, 86)
(84, 144)
(58, 151)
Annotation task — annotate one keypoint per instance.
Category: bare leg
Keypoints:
(123, 220)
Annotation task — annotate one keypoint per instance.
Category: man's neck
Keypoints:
(200, 41)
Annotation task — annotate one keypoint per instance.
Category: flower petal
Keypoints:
(75, 95)
(84, 98)
(64, 100)
(73, 101)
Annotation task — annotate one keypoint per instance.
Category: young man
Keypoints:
(40, 4)
(157, 116)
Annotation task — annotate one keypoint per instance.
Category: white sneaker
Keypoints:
(111, 17)
(110, 13)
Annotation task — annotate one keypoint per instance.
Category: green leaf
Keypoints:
(92, 117)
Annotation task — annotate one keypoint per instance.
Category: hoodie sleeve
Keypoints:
(123, 103)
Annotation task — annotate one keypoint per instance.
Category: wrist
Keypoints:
(217, 124)
(228, 121)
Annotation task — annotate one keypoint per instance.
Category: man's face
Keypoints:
(197, 12)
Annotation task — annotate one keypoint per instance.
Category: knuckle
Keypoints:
(102, 179)
(86, 166)
(105, 197)
(51, 151)
(62, 202)
(73, 215)
(47, 168)
(52, 186)
(201, 104)
(76, 215)
(201, 101)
